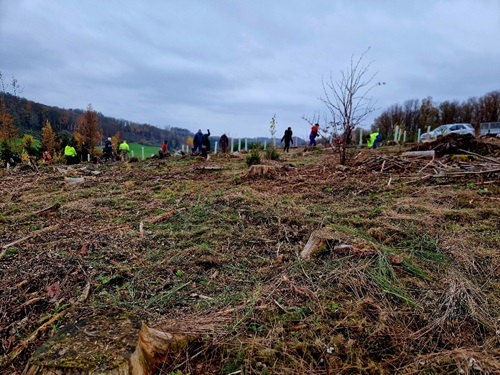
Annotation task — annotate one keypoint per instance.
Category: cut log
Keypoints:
(420, 154)
(103, 345)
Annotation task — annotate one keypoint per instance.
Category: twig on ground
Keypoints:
(21, 346)
(297, 290)
(480, 156)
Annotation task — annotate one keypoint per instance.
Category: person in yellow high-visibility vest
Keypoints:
(70, 155)
(373, 139)
(124, 149)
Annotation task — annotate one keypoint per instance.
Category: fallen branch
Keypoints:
(162, 216)
(45, 210)
(429, 163)
(208, 168)
(20, 347)
(479, 156)
(382, 168)
(465, 173)
(43, 230)
(297, 290)
(29, 302)
(200, 296)
(115, 228)
(413, 180)
(5, 247)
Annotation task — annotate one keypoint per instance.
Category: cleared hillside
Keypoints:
(183, 243)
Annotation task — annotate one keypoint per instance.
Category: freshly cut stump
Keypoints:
(105, 346)
(334, 241)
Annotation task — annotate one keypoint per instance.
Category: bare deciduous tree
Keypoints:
(450, 112)
(429, 114)
(489, 107)
(411, 115)
(348, 100)
(426, 113)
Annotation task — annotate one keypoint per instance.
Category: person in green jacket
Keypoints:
(70, 154)
(124, 149)
(373, 139)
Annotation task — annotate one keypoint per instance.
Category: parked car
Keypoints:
(489, 128)
(447, 129)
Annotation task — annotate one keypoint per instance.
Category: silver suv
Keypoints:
(447, 129)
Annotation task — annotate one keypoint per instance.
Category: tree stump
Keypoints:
(258, 170)
(105, 346)
(320, 241)
(334, 241)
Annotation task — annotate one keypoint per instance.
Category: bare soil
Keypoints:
(183, 242)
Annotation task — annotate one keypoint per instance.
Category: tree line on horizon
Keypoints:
(29, 117)
(415, 114)
(55, 127)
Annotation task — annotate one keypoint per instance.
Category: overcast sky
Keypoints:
(230, 65)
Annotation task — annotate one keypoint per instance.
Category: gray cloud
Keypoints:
(232, 65)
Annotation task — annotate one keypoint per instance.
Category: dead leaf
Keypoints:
(53, 291)
(84, 250)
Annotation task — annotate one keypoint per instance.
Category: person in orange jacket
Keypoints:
(313, 135)
(46, 157)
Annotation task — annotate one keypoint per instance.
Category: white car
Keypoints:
(447, 129)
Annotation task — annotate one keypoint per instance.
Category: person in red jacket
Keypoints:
(164, 149)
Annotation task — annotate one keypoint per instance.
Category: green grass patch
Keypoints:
(137, 149)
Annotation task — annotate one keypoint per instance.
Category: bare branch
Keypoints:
(347, 99)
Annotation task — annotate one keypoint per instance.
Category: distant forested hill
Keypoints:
(30, 117)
